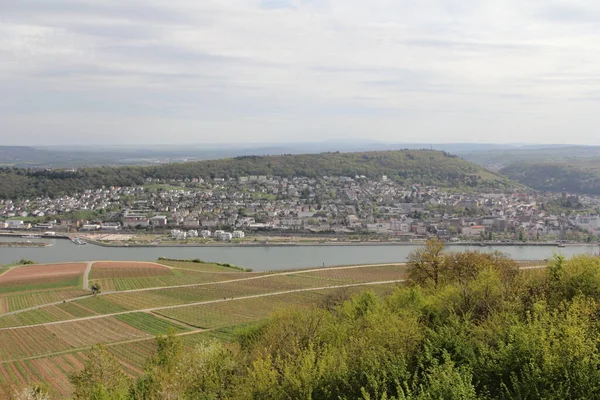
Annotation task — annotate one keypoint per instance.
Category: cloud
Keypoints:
(284, 70)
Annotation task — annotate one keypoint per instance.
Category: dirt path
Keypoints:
(86, 276)
(6, 270)
(199, 303)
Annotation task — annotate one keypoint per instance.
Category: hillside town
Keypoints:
(231, 209)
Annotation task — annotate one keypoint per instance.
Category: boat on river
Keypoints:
(79, 241)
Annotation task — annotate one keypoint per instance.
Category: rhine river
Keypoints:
(263, 258)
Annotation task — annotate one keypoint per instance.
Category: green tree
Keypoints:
(102, 378)
(425, 265)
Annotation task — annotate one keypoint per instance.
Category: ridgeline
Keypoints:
(405, 166)
(576, 177)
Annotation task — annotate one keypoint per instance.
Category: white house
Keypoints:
(224, 236)
(238, 235)
(14, 224)
(205, 233)
(192, 233)
(178, 235)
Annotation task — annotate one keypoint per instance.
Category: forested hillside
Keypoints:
(406, 166)
(577, 177)
(471, 326)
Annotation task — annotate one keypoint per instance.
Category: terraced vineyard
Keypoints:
(51, 341)
(121, 276)
(29, 286)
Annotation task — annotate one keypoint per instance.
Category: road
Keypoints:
(86, 275)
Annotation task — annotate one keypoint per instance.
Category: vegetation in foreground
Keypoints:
(470, 326)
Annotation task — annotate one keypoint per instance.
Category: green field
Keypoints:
(46, 283)
(151, 324)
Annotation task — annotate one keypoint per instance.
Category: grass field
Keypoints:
(51, 342)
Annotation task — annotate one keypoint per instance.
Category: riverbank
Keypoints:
(24, 244)
(317, 241)
(320, 243)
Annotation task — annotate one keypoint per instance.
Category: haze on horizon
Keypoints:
(234, 71)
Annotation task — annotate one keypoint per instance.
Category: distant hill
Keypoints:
(576, 176)
(498, 158)
(405, 166)
(492, 156)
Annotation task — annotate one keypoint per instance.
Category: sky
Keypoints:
(252, 71)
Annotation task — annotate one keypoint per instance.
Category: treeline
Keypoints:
(470, 326)
(557, 176)
(406, 166)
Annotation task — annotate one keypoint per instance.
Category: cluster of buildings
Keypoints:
(219, 208)
(219, 235)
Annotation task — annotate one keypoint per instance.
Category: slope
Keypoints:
(575, 176)
(406, 166)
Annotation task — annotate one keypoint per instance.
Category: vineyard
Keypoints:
(151, 324)
(51, 342)
(122, 276)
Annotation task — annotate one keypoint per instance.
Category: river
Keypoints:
(262, 258)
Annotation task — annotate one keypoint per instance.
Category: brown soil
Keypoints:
(42, 271)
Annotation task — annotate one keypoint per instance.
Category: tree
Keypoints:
(36, 391)
(425, 264)
(199, 373)
(102, 378)
(96, 288)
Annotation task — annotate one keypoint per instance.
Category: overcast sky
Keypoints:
(193, 71)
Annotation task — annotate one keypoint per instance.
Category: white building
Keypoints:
(224, 236)
(13, 224)
(192, 233)
(90, 227)
(238, 235)
(205, 233)
(178, 235)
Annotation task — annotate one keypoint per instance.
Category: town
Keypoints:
(349, 208)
